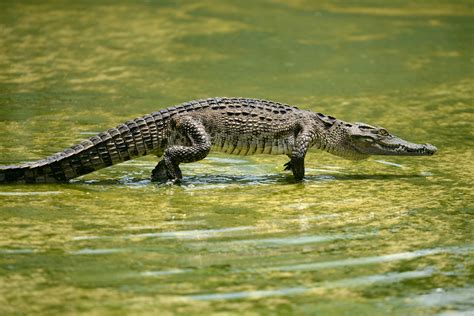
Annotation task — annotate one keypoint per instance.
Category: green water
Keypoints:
(386, 236)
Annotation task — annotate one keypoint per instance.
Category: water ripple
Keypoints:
(16, 251)
(440, 297)
(164, 272)
(89, 251)
(283, 241)
(30, 193)
(183, 234)
(193, 234)
(388, 163)
(370, 260)
(352, 282)
(295, 240)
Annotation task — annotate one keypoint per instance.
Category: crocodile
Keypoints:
(188, 132)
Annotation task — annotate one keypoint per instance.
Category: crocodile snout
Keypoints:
(430, 149)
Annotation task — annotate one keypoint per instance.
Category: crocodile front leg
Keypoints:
(168, 167)
(302, 143)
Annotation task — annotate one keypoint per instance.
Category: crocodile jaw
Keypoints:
(395, 147)
(369, 140)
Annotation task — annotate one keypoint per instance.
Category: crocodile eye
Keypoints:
(383, 132)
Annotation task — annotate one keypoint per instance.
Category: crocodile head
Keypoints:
(368, 140)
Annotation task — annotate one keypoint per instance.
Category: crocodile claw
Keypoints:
(288, 166)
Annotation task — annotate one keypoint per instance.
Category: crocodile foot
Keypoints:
(166, 171)
(297, 167)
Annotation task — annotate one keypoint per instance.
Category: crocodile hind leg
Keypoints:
(192, 129)
(300, 148)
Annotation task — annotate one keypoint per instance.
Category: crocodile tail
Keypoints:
(132, 139)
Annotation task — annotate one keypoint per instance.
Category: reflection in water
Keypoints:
(382, 236)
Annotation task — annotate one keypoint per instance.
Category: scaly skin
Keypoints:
(188, 132)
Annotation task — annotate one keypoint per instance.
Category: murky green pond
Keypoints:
(383, 236)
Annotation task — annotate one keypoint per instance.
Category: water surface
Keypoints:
(383, 236)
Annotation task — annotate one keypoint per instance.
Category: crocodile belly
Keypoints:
(245, 146)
